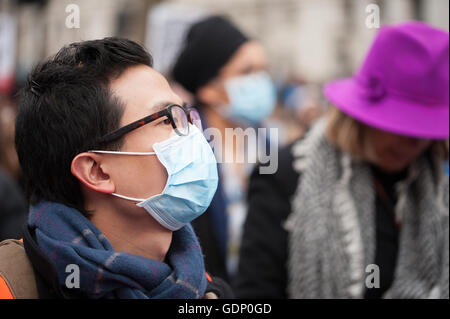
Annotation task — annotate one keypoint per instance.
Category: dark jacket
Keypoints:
(13, 208)
(212, 231)
(264, 249)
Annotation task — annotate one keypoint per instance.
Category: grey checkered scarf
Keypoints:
(333, 230)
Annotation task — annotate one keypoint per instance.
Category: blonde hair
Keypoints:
(351, 136)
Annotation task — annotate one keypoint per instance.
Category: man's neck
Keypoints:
(137, 234)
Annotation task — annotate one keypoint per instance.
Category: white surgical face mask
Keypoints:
(252, 97)
(192, 179)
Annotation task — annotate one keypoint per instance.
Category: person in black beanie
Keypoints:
(225, 71)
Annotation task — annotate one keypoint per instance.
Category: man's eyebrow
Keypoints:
(160, 106)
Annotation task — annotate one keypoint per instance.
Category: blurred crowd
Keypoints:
(264, 235)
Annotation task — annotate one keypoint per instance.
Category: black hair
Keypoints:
(65, 108)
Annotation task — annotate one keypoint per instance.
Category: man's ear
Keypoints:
(88, 169)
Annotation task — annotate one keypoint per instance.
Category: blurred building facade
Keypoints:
(320, 39)
(313, 40)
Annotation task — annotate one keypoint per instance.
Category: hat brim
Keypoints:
(391, 113)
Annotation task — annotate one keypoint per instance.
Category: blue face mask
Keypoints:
(191, 184)
(252, 97)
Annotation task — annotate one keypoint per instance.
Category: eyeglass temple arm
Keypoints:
(133, 126)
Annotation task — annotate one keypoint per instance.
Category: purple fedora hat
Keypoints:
(402, 86)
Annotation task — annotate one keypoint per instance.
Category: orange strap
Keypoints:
(5, 292)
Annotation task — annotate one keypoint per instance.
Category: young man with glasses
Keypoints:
(116, 168)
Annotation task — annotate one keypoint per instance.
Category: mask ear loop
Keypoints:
(138, 200)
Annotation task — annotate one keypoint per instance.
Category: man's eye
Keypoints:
(166, 122)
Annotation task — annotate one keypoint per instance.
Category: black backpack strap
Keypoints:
(219, 288)
(46, 273)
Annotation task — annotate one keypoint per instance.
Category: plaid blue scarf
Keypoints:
(67, 237)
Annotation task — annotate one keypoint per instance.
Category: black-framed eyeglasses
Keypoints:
(178, 116)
